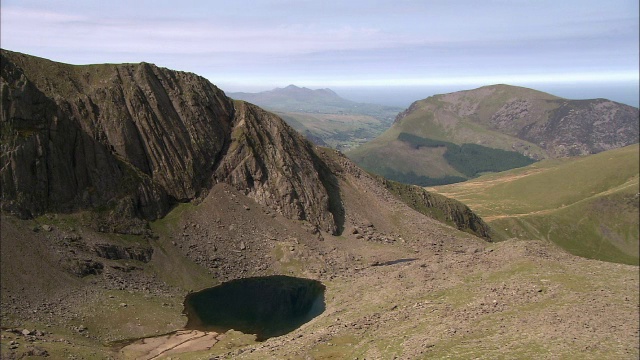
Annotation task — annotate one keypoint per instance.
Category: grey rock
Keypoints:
(118, 252)
(36, 351)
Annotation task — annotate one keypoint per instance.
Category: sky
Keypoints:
(576, 47)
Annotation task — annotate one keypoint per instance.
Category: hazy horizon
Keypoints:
(403, 96)
(572, 48)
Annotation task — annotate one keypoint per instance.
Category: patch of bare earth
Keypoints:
(179, 342)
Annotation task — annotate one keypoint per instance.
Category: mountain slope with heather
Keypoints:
(127, 187)
(495, 128)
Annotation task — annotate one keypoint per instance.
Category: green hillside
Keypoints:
(587, 205)
(522, 123)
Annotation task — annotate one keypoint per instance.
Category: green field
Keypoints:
(587, 205)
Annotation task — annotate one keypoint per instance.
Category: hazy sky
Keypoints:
(257, 45)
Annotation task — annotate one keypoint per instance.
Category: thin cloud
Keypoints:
(339, 42)
(73, 32)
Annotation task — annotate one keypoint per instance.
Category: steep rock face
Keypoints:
(275, 166)
(169, 125)
(135, 138)
(50, 163)
(583, 127)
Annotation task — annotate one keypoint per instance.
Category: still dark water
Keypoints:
(267, 306)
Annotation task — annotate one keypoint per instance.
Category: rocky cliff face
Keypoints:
(56, 154)
(275, 166)
(583, 127)
(135, 138)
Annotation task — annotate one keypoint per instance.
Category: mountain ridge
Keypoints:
(293, 97)
(135, 140)
(508, 108)
(530, 122)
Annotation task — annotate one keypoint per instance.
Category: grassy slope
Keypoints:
(587, 205)
(449, 118)
(98, 308)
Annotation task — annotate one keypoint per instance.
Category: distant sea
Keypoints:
(403, 96)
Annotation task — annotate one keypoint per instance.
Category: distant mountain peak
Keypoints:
(293, 97)
(303, 90)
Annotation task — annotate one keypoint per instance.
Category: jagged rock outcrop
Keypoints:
(133, 139)
(117, 252)
(583, 127)
(274, 165)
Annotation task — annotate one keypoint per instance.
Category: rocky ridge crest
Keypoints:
(134, 139)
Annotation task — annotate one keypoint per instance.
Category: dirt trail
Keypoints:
(473, 186)
(629, 183)
(539, 212)
(178, 342)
